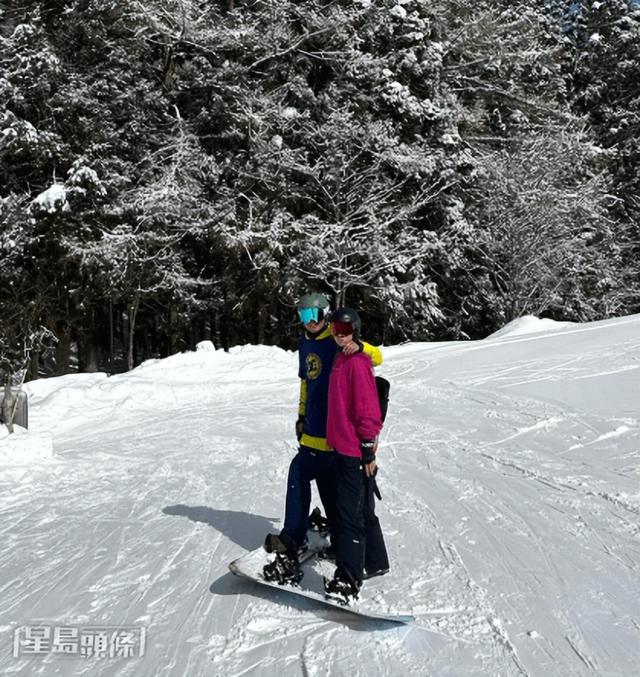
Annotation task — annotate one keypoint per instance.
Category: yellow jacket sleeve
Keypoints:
(373, 352)
(302, 403)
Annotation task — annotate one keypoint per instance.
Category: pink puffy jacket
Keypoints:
(354, 411)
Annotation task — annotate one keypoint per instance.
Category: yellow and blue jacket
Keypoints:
(316, 355)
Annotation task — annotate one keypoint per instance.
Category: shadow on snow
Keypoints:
(246, 530)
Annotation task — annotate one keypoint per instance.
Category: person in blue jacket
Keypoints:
(315, 458)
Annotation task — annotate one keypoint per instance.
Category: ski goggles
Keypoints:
(307, 315)
(342, 328)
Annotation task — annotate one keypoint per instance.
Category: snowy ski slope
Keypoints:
(511, 485)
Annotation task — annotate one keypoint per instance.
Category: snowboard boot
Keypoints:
(328, 553)
(341, 588)
(274, 543)
(284, 569)
(284, 545)
(318, 522)
(375, 572)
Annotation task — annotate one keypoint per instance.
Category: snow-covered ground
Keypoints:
(511, 485)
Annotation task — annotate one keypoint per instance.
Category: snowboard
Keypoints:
(312, 585)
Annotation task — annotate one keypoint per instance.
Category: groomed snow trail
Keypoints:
(511, 485)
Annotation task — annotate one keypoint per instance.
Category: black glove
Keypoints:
(300, 427)
(367, 451)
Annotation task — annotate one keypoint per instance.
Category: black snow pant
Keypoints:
(359, 540)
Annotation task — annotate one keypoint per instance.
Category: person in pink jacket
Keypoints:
(353, 424)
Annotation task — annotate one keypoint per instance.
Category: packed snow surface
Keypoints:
(511, 506)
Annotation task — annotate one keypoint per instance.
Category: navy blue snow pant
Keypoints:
(307, 465)
(359, 541)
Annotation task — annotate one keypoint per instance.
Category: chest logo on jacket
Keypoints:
(314, 365)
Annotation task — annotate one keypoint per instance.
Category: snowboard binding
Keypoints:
(342, 588)
(284, 570)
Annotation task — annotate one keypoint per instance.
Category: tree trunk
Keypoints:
(8, 409)
(173, 330)
(133, 311)
(88, 354)
(263, 315)
(111, 341)
(88, 350)
(34, 365)
(63, 348)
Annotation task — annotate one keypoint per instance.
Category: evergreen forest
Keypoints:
(179, 170)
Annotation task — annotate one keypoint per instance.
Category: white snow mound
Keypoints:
(530, 324)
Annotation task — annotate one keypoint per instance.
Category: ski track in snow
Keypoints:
(510, 479)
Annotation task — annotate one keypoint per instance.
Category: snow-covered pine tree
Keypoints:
(538, 205)
(604, 75)
(235, 154)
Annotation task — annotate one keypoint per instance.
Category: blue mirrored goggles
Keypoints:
(307, 315)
